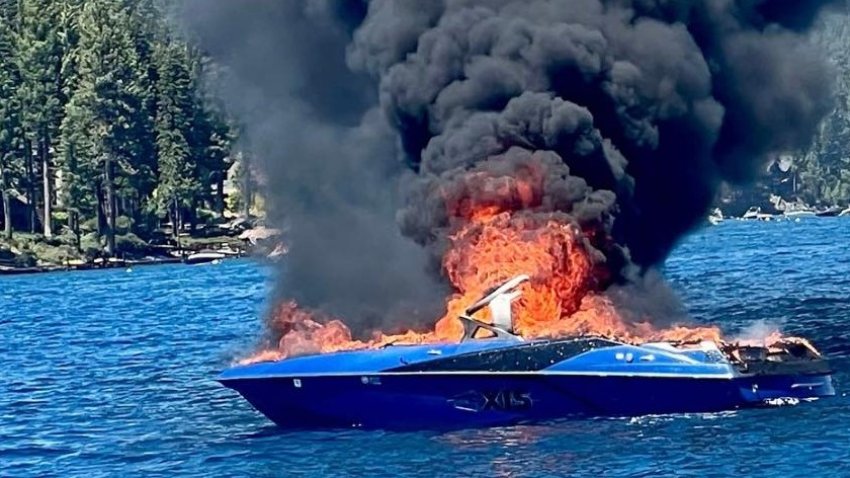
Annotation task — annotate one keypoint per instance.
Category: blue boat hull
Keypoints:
(452, 400)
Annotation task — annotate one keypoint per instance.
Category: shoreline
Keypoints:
(52, 256)
(114, 264)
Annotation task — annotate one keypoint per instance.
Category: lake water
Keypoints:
(109, 373)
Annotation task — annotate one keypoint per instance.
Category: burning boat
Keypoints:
(493, 376)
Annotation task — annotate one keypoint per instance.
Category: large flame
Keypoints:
(488, 247)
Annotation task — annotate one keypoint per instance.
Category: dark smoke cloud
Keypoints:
(328, 157)
(629, 112)
(689, 92)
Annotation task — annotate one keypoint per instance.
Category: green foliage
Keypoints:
(28, 250)
(39, 58)
(103, 108)
(130, 244)
(208, 217)
(53, 254)
(824, 170)
(88, 226)
(10, 82)
(66, 237)
(91, 245)
(123, 224)
(179, 184)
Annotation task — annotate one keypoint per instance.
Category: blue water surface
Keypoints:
(109, 373)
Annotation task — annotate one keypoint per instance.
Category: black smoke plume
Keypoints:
(368, 115)
(327, 155)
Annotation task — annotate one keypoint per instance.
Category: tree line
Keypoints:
(105, 121)
(107, 127)
(824, 169)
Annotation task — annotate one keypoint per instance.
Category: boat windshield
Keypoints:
(499, 302)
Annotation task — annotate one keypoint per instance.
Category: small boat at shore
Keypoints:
(505, 379)
(754, 213)
(798, 211)
(715, 217)
(203, 257)
(829, 212)
(799, 214)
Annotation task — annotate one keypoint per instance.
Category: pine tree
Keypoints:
(212, 133)
(39, 61)
(9, 110)
(137, 185)
(178, 181)
(214, 148)
(825, 168)
(108, 102)
(103, 112)
(78, 161)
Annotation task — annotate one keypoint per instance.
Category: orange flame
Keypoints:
(486, 249)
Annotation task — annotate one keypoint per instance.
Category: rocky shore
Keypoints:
(33, 253)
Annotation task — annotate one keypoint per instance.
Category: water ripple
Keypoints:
(109, 373)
